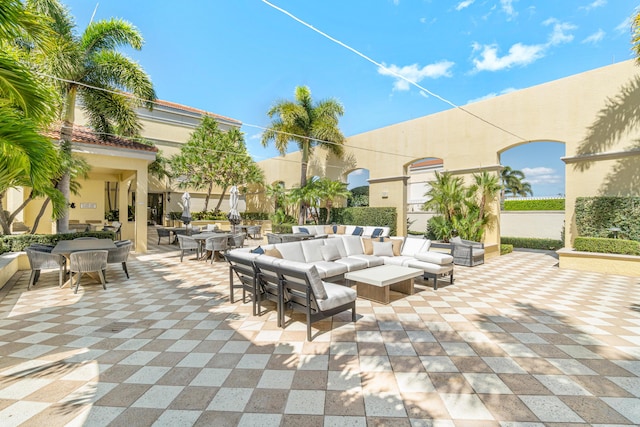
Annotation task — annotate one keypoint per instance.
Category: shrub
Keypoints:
(255, 216)
(17, 242)
(532, 243)
(505, 249)
(3, 248)
(380, 217)
(282, 228)
(595, 215)
(207, 216)
(607, 246)
(534, 205)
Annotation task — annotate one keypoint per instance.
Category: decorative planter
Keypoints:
(626, 265)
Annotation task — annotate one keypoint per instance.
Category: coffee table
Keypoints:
(375, 283)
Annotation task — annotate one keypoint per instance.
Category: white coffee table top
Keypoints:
(383, 275)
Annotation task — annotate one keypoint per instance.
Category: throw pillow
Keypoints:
(274, 252)
(358, 231)
(382, 248)
(456, 239)
(396, 244)
(303, 230)
(330, 253)
(316, 283)
(368, 246)
(334, 228)
(341, 229)
(258, 250)
(377, 232)
(328, 229)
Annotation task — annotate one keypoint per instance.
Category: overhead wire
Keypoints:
(390, 71)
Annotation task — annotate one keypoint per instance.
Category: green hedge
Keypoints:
(607, 246)
(3, 248)
(17, 242)
(531, 243)
(255, 216)
(595, 215)
(505, 249)
(282, 228)
(534, 205)
(363, 216)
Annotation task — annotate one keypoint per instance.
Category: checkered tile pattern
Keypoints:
(513, 342)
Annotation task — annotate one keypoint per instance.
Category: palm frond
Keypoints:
(109, 34)
(120, 72)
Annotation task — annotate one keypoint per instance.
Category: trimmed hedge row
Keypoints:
(505, 249)
(17, 242)
(534, 205)
(532, 243)
(595, 215)
(255, 216)
(365, 215)
(607, 246)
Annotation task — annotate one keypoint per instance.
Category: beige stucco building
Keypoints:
(471, 138)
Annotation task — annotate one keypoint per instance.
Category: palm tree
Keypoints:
(309, 125)
(89, 67)
(28, 159)
(329, 190)
(510, 179)
(635, 37)
(488, 186)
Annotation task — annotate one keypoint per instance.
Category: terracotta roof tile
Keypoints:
(428, 162)
(84, 135)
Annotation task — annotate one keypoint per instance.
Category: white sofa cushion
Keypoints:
(412, 246)
(330, 268)
(337, 295)
(312, 274)
(434, 257)
(339, 244)
(330, 252)
(397, 260)
(312, 250)
(353, 245)
(353, 263)
(429, 267)
(382, 248)
(372, 260)
(292, 251)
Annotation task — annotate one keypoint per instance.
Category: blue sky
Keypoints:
(236, 57)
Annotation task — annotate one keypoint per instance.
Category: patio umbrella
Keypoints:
(186, 206)
(234, 216)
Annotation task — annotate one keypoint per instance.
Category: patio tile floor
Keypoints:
(513, 342)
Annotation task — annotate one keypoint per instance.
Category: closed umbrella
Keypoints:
(234, 216)
(186, 208)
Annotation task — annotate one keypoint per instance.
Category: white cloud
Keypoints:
(507, 7)
(414, 73)
(595, 37)
(541, 175)
(624, 26)
(357, 172)
(594, 4)
(256, 136)
(492, 95)
(396, 2)
(464, 4)
(559, 33)
(519, 55)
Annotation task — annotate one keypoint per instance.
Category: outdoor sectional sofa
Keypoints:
(342, 230)
(344, 253)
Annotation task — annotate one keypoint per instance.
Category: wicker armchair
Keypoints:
(115, 227)
(87, 262)
(216, 244)
(466, 252)
(187, 244)
(254, 231)
(236, 240)
(163, 232)
(120, 255)
(41, 259)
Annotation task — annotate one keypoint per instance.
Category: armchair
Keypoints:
(466, 252)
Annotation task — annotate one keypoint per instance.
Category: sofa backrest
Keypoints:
(291, 251)
(412, 245)
(311, 250)
(352, 245)
(338, 243)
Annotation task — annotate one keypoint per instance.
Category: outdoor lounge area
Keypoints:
(513, 342)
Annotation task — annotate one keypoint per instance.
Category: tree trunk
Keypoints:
(65, 147)
(206, 199)
(224, 191)
(6, 218)
(303, 181)
(39, 216)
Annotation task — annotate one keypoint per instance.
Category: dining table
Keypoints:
(67, 247)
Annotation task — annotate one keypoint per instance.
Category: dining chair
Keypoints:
(44, 260)
(120, 255)
(216, 244)
(187, 244)
(163, 232)
(236, 240)
(88, 262)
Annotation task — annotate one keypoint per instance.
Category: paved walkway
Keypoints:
(514, 342)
